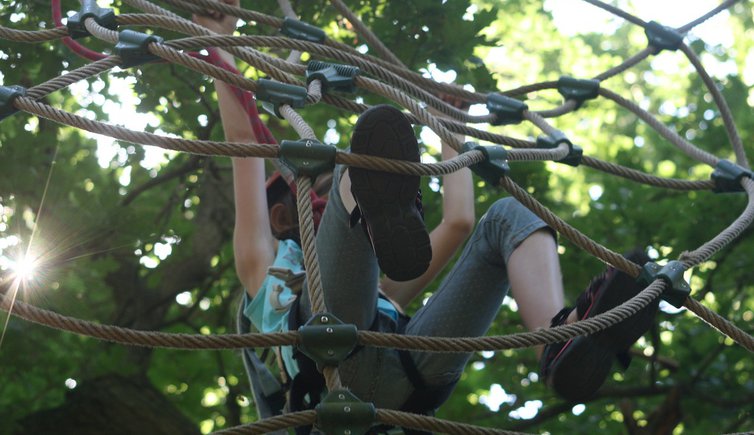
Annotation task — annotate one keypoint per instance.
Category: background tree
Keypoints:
(141, 238)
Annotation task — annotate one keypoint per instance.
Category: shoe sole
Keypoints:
(584, 362)
(388, 200)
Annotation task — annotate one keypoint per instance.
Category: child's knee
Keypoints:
(505, 208)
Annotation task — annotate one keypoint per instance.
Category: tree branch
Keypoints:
(193, 163)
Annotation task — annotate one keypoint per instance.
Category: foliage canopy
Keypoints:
(142, 238)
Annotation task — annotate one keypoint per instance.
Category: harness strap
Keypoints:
(426, 398)
(309, 384)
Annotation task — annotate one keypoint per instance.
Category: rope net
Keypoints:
(385, 76)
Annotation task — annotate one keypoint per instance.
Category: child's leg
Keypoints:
(397, 240)
(347, 263)
(470, 296)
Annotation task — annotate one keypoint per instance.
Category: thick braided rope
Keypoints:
(725, 113)
(269, 64)
(662, 129)
(272, 424)
(308, 238)
(520, 340)
(689, 259)
(717, 96)
(366, 33)
(617, 11)
(625, 65)
(641, 177)
(357, 59)
(727, 235)
(721, 7)
(721, 324)
(306, 227)
(200, 147)
(100, 32)
(311, 263)
(132, 337)
(413, 106)
(32, 36)
(423, 422)
(60, 82)
(574, 235)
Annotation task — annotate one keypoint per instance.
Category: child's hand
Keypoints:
(456, 102)
(217, 21)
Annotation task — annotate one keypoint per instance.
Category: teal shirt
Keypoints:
(261, 310)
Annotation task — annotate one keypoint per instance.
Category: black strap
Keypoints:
(426, 398)
(309, 381)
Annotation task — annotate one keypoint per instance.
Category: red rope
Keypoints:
(57, 17)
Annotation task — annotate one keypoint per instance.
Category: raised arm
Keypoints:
(253, 243)
(456, 225)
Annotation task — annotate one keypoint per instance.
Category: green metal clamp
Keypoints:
(274, 94)
(495, 163)
(334, 77)
(133, 47)
(662, 37)
(342, 413)
(677, 289)
(296, 29)
(508, 110)
(578, 90)
(105, 17)
(727, 176)
(575, 153)
(327, 340)
(307, 157)
(7, 95)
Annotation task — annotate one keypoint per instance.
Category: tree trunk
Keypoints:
(112, 405)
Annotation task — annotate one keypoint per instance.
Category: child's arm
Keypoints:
(456, 225)
(253, 243)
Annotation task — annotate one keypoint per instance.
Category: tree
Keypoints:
(141, 239)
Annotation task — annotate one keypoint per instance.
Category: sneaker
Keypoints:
(577, 368)
(386, 201)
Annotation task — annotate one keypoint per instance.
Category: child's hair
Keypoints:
(279, 192)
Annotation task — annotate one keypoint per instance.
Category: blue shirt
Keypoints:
(269, 309)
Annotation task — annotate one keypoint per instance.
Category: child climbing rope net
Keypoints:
(308, 158)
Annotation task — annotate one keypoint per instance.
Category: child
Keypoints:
(510, 247)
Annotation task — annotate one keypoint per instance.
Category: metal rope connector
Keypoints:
(495, 163)
(274, 94)
(578, 90)
(341, 412)
(508, 110)
(575, 153)
(7, 95)
(133, 47)
(105, 17)
(334, 77)
(327, 340)
(677, 289)
(300, 30)
(727, 176)
(662, 37)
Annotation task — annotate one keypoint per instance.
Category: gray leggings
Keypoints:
(464, 305)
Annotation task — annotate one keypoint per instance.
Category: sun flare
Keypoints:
(24, 268)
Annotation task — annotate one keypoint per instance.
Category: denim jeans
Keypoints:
(464, 305)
